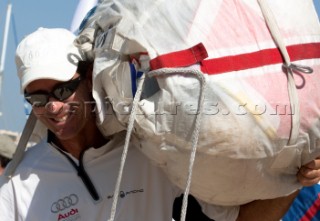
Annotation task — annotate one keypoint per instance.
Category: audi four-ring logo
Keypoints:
(64, 203)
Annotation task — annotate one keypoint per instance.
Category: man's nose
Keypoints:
(54, 106)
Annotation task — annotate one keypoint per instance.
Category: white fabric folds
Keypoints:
(260, 113)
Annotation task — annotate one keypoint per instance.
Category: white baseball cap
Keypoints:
(47, 54)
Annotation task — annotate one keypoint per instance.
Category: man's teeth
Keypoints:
(61, 119)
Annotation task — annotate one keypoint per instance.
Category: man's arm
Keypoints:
(266, 210)
(274, 209)
(258, 210)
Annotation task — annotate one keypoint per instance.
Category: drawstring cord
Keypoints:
(196, 131)
(136, 100)
(290, 69)
(195, 135)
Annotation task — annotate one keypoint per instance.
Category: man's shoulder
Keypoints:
(32, 157)
(36, 150)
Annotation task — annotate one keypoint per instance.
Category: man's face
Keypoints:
(68, 118)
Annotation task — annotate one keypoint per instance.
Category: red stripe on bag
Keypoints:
(312, 211)
(259, 58)
(198, 53)
(182, 58)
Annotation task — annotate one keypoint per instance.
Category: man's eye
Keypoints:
(37, 104)
(59, 91)
(62, 92)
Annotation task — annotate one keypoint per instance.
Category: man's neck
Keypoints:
(78, 144)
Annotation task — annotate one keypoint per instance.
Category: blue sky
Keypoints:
(27, 16)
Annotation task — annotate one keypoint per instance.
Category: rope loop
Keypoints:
(299, 68)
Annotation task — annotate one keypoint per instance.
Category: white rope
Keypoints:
(292, 90)
(196, 131)
(274, 29)
(136, 100)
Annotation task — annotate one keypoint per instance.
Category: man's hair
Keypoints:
(83, 67)
(4, 161)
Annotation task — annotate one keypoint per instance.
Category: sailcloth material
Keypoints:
(236, 82)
